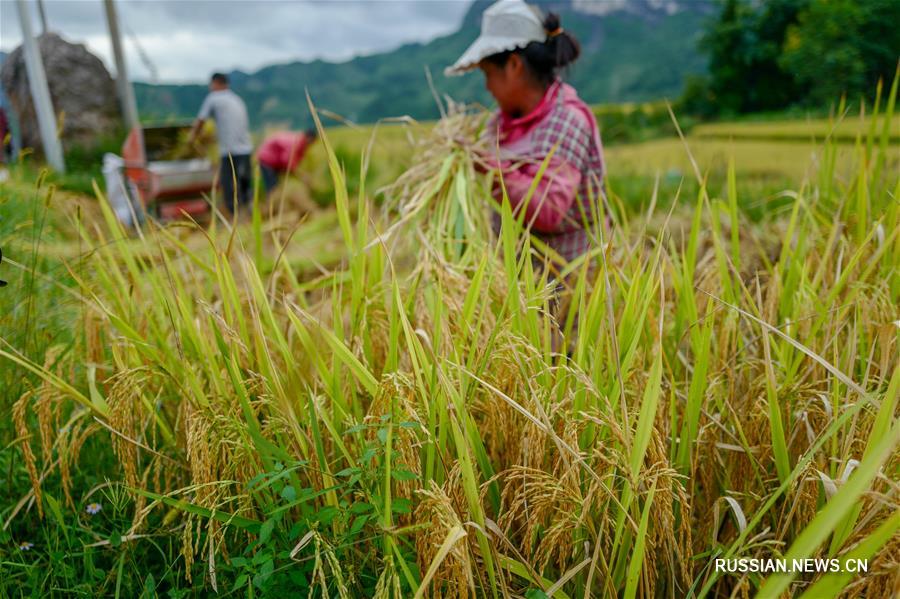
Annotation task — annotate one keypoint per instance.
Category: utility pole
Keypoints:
(40, 93)
(126, 91)
(43, 16)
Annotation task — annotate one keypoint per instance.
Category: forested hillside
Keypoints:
(637, 50)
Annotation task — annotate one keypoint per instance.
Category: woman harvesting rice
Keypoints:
(521, 56)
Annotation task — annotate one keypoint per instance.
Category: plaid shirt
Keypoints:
(566, 202)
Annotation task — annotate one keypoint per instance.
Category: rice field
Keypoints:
(383, 398)
(768, 156)
(846, 129)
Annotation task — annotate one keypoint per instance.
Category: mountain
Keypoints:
(632, 50)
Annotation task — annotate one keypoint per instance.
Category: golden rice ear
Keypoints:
(125, 415)
(24, 434)
(327, 573)
(69, 443)
(388, 585)
(453, 576)
(63, 445)
(546, 510)
(47, 422)
(187, 546)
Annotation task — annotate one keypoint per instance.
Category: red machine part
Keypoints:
(167, 187)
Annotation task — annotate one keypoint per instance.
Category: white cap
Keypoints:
(505, 25)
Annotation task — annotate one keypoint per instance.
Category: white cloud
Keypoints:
(188, 39)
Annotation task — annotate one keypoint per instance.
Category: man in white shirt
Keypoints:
(233, 133)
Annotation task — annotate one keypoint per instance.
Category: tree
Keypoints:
(880, 40)
(772, 54)
(770, 87)
(745, 45)
(728, 42)
(823, 51)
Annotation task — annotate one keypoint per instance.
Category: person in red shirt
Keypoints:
(280, 153)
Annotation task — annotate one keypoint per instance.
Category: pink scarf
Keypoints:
(513, 129)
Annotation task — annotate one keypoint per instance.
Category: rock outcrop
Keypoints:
(82, 91)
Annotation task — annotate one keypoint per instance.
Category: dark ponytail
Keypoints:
(560, 43)
(545, 60)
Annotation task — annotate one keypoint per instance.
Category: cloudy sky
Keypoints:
(185, 40)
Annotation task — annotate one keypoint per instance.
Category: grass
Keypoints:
(406, 423)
